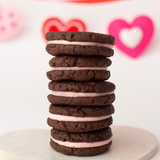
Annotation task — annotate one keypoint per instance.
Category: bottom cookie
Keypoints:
(80, 151)
(81, 144)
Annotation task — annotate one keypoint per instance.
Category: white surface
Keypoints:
(135, 34)
(128, 143)
(24, 62)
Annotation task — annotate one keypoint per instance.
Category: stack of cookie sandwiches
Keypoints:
(81, 99)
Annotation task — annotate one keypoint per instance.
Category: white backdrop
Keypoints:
(24, 63)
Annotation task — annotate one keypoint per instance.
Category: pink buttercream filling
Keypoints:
(76, 119)
(80, 94)
(79, 68)
(81, 144)
(80, 43)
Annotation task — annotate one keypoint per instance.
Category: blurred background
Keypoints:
(24, 61)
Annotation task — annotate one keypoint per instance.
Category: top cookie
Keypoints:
(80, 43)
(81, 37)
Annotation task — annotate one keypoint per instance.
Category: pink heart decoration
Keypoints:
(55, 24)
(147, 28)
(10, 23)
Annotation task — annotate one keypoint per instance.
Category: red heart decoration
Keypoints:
(55, 24)
(83, 1)
(89, 1)
(144, 23)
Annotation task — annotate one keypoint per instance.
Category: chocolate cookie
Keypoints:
(79, 111)
(87, 101)
(82, 93)
(81, 144)
(80, 43)
(80, 36)
(79, 119)
(85, 87)
(77, 61)
(79, 68)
